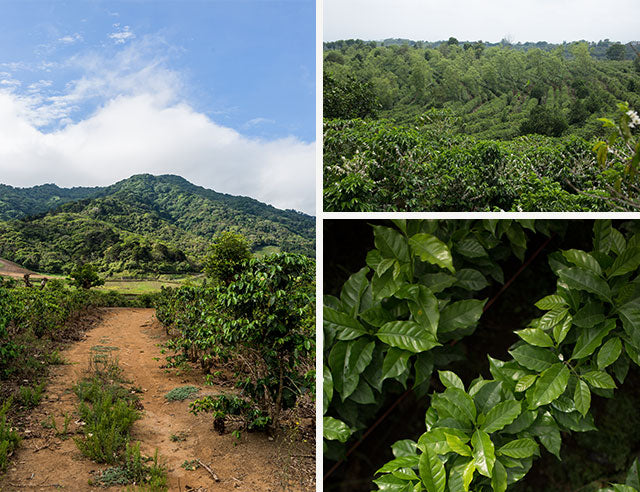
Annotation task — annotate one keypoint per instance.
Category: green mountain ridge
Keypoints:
(144, 224)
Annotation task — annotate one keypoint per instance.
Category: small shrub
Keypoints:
(181, 393)
(9, 438)
(133, 470)
(30, 397)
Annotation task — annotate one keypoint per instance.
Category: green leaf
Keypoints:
(335, 430)
(462, 402)
(535, 336)
(461, 314)
(633, 477)
(501, 415)
(470, 279)
(525, 382)
(591, 338)
(436, 440)
(589, 315)
(628, 261)
(460, 476)
(551, 302)
(391, 243)
(347, 360)
(423, 306)
(450, 380)
(519, 448)
(578, 278)
(599, 379)
(561, 330)
(327, 388)
(432, 471)
(582, 397)
(457, 446)
(602, 235)
(467, 475)
(389, 483)
(471, 248)
(547, 431)
(550, 385)
(534, 358)
(552, 318)
(609, 352)
(352, 291)
(345, 325)
(582, 259)
(407, 335)
(437, 282)
(483, 452)
(409, 461)
(499, 478)
(404, 447)
(395, 363)
(430, 249)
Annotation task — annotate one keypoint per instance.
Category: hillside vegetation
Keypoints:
(145, 224)
(486, 127)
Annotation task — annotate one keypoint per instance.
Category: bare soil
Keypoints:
(256, 462)
(11, 269)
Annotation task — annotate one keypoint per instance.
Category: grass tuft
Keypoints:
(181, 393)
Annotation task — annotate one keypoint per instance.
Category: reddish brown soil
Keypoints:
(255, 463)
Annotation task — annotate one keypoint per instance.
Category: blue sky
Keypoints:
(228, 87)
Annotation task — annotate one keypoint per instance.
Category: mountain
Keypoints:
(18, 202)
(144, 224)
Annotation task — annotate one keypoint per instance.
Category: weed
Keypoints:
(9, 438)
(180, 436)
(30, 397)
(190, 465)
(181, 393)
(56, 359)
(134, 471)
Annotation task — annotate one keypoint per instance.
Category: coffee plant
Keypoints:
(484, 435)
(262, 322)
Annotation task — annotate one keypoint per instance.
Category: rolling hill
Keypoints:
(144, 224)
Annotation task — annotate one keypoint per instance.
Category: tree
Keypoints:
(85, 276)
(452, 41)
(348, 99)
(544, 121)
(227, 253)
(616, 52)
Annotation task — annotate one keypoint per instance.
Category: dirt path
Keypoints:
(45, 461)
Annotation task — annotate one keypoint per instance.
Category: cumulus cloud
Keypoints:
(121, 35)
(143, 125)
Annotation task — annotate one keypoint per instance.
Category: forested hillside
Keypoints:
(438, 103)
(18, 202)
(148, 224)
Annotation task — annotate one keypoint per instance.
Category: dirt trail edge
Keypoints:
(44, 461)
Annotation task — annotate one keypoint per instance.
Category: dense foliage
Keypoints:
(262, 322)
(538, 108)
(148, 224)
(19, 202)
(400, 317)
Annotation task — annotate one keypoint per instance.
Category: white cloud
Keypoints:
(259, 121)
(70, 38)
(142, 124)
(120, 36)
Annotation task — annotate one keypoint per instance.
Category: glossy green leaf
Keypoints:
(327, 388)
(561, 330)
(346, 326)
(407, 335)
(432, 471)
(602, 236)
(519, 448)
(460, 314)
(609, 352)
(352, 291)
(535, 336)
(409, 461)
(462, 401)
(525, 382)
(430, 249)
(467, 474)
(457, 446)
(436, 440)
(471, 279)
(591, 338)
(501, 415)
(483, 452)
(552, 318)
(589, 315)
(550, 385)
(582, 259)
(471, 248)
(633, 476)
(499, 478)
(535, 358)
(335, 430)
(423, 306)
(404, 447)
(450, 380)
(599, 379)
(628, 261)
(582, 397)
(546, 428)
(551, 302)
(391, 243)
(389, 483)
(581, 279)
(395, 363)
